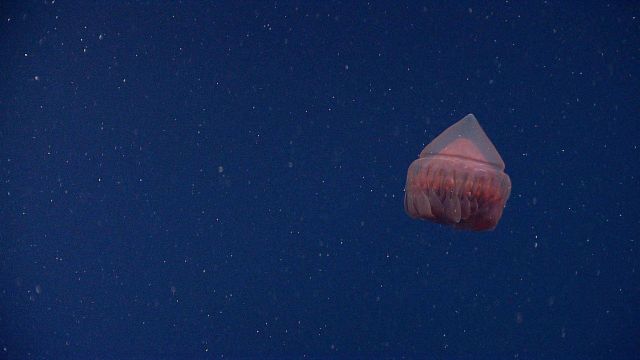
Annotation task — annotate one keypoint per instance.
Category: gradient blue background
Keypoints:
(194, 179)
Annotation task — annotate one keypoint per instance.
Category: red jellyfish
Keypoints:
(458, 179)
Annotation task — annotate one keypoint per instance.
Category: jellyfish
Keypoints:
(458, 180)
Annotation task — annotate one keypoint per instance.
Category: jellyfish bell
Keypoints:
(458, 180)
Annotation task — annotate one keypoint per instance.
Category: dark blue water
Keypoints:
(191, 180)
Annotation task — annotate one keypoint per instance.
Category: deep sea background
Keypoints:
(194, 179)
